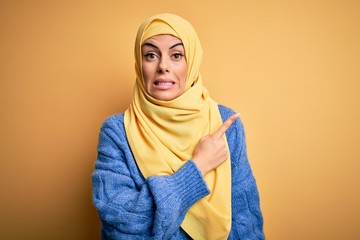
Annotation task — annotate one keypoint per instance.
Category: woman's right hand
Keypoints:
(211, 151)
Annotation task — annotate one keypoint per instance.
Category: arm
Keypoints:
(246, 213)
(132, 207)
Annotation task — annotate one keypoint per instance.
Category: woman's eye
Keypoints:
(150, 56)
(177, 56)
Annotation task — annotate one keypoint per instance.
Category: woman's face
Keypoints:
(164, 67)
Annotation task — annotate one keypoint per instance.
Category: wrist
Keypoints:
(201, 166)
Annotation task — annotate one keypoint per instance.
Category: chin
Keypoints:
(164, 97)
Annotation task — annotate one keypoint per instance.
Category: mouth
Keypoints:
(164, 83)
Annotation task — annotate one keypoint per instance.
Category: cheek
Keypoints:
(146, 72)
(183, 74)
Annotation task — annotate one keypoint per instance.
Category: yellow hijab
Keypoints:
(163, 134)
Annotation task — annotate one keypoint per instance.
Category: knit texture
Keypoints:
(131, 207)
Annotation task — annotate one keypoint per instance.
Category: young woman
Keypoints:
(174, 165)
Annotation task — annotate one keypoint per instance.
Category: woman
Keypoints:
(164, 170)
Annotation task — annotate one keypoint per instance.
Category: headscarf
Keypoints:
(163, 134)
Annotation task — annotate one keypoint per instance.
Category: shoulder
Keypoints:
(113, 121)
(113, 126)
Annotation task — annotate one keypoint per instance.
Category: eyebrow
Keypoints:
(154, 46)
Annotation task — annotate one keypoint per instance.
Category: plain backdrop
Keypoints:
(291, 68)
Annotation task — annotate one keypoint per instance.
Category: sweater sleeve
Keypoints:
(131, 207)
(247, 221)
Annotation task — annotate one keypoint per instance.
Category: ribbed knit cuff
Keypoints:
(181, 189)
(190, 184)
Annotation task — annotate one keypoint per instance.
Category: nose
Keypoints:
(163, 65)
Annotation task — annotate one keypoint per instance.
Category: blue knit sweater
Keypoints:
(131, 207)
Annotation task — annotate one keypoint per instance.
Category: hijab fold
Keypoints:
(163, 134)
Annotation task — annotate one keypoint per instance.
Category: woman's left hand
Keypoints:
(211, 151)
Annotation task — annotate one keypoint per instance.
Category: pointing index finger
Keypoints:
(226, 125)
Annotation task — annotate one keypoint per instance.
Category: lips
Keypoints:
(157, 83)
(164, 84)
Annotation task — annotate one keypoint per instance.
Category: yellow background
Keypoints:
(291, 68)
